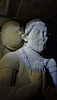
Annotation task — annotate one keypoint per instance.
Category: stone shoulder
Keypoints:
(9, 60)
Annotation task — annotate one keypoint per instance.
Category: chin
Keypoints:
(42, 50)
(39, 50)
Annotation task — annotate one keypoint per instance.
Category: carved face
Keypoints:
(37, 37)
(11, 35)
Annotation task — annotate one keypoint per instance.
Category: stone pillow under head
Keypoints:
(11, 35)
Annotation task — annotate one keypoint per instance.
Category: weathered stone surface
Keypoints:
(29, 9)
(4, 4)
(25, 10)
(3, 20)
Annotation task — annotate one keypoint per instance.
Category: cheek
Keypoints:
(32, 37)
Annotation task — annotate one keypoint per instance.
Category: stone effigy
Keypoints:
(25, 72)
(11, 36)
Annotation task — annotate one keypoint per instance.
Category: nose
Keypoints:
(42, 34)
(44, 37)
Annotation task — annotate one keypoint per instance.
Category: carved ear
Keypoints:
(25, 37)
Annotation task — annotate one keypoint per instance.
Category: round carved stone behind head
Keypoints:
(11, 35)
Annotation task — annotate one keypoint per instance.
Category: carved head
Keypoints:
(36, 35)
(11, 35)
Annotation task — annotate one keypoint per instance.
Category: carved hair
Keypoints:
(30, 26)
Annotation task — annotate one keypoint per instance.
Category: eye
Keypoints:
(17, 30)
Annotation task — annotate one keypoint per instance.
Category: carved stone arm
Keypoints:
(8, 66)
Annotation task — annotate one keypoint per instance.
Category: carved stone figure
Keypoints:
(11, 36)
(25, 72)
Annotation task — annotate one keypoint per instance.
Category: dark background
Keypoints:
(51, 50)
